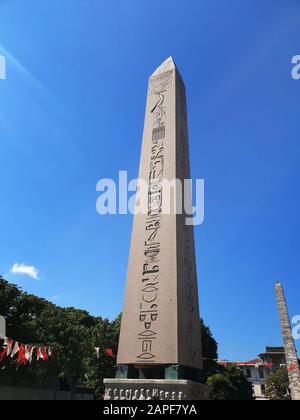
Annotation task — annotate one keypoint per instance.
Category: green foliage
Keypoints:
(209, 352)
(72, 335)
(221, 386)
(277, 387)
(230, 383)
(209, 344)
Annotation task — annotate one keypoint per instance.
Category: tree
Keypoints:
(277, 386)
(71, 333)
(230, 383)
(221, 386)
(227, 383)
(209, 352)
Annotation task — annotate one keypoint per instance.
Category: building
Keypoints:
(258, 370)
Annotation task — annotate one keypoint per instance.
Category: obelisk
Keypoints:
(160, 339)
(289, 344)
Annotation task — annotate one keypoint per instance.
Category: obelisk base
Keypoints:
(155, 389)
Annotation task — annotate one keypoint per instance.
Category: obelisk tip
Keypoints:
(167, 65)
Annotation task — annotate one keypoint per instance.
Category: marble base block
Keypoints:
(155, 389)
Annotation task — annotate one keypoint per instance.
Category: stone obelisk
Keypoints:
(289, 344)
(160, 339)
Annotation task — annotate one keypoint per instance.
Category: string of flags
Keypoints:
(257, 365)
(108, 352)
(25, 352)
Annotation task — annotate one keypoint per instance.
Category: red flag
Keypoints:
(268, 365)
(292, 368)
(7, 348)
(45, 353)
(21, 355)
(109, 352)
(3, 354)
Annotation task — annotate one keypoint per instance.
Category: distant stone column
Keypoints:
(289, 344)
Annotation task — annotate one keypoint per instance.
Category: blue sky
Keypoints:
(71, 113)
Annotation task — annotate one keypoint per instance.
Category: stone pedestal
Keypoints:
(155, 389)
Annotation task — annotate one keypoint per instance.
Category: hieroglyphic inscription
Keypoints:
(148, 311)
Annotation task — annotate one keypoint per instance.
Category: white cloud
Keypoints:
(25, 269)
(55, 297)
